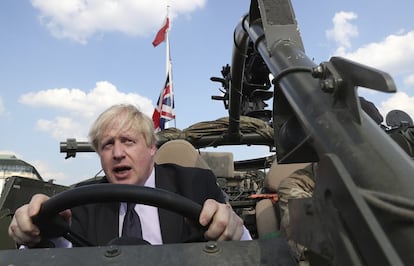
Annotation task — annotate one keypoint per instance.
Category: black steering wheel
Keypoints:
(51, 224)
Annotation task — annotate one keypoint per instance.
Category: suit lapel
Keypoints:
(107, 223)
(171, 224)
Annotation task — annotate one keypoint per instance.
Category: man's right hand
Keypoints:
(22, 229)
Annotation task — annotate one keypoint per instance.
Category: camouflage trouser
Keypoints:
(299, 184)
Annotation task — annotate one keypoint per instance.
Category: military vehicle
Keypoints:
(19, 180)
(359, 214)
(11, 166)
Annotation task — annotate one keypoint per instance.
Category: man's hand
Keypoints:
(225, 224)
(22, 229)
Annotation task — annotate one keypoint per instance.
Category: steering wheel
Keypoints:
(51, 224)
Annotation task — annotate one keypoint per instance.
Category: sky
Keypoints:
(63, 62)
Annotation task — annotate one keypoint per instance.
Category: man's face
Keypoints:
(125, 157)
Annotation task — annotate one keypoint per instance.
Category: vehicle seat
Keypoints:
(221, 163)
(266, 215)
(180, 152)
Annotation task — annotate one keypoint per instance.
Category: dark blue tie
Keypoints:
(132, 225)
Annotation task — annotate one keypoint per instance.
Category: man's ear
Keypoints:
(153, 149)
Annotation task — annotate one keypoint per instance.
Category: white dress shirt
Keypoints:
(151, 230)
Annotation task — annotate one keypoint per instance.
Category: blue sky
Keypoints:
(63, 62)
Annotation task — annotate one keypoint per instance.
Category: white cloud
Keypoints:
(342, 30)
(409, 80)
(62, 127)
(47, 174)
(79, 108)
(78, 20)
(2, 109)
(399, 101)
(394, 54)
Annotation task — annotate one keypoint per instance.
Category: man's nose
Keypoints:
(118, 151)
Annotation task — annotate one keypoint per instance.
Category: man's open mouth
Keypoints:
(122, 169)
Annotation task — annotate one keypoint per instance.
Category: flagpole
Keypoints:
(167, 46)
(164, 111)
(168, 62)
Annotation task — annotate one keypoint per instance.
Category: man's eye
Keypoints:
(129, 141)
(106, 145)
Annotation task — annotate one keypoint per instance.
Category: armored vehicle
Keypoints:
(11, 166)
(19, 181)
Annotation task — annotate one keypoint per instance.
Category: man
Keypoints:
(125, 141)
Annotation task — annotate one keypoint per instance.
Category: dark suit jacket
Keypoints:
(99, 223)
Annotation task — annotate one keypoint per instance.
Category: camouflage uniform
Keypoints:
(299, 184)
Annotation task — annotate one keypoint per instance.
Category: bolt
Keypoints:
(318, 71)
(112, 251)
(211, 247)
(328, 85)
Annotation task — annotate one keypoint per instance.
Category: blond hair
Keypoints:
(127, 117)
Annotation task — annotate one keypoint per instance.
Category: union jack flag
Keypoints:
(164, 111)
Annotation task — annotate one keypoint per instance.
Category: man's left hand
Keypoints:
(225, 224)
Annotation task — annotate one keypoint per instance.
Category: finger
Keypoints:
(37, 201)
(207, 212)
(234, 227)
(35, 204)
(219, 220)
(67, 214)
(23, 239)
(239, 224)
(21, 229)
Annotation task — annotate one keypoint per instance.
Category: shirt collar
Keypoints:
(151, 179)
